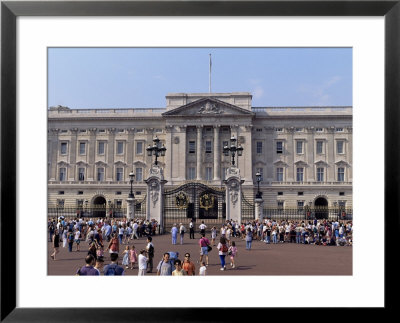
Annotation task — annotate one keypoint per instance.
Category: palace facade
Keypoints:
(304, 154)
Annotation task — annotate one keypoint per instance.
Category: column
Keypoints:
(217, 154)
(168, 153)
(72, 159)
(92, 154)
(198, 151)
(110, 176)
(130, 147)
(54, 154)
(130, 208)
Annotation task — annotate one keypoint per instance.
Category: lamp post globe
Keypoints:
(258, 178)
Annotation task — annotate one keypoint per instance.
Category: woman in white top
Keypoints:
(222, 251)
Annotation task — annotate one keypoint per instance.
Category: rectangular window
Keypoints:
(82, 148)
(299, 129)
(279, 147)
(139, 174)
(300, 174)
(209, 176)
(100, 174)
(63, 174)
(339, 129)
(299, 147)
(81, 174)
(191, 173)
(100, 148)
(192, 147)
(280, 205)
(319, 129)
(208, 146)
(119, 174)
(339, 147)
(260, 170)
(79, 203)
(139, 147)
(341, 174)
(259, 129)
(102, 130)
(63, 148)
(259, 147)
(120, 147)
(320, 174)
(300, 205)
(279, 174)
(279, 129)
(320, 145)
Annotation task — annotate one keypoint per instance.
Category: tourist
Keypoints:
(56, 244)
(88, 269)
(213, 235)
(99, 265)
(191, 229)
(182, 231)
(113, 246)
(165, 266)
(70, 239)
(113, 269)
(125, 259)
(202, 228)
(135, 230)
(222, 251)
(150, 254)
(133, 256)
(188, 266)
(142, 263)
(204, 242)
(179, 271)
(249, 238)
(202, 269)
(232, 252)
(174, 233)
(77, 238)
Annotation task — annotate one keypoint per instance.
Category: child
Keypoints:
(203, 269)
(125, 259)
(213, 235)
(100, 252)
(232, 251)
(133, 256)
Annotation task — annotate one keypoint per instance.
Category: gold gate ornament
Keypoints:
(181, 201)
(207, 201)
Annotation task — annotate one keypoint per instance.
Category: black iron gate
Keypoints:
(247, 210)
(194, 201)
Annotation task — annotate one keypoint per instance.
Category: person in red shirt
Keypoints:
(188, 266)
(204, 242)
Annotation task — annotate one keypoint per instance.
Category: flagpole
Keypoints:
(209, 77)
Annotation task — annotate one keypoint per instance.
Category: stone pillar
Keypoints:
(90, 173)
(258, 209)
(54, 154)
(198, 151)
(233, 198)
(155, 191)
(130, 208)
(72, 159)
(217, 154)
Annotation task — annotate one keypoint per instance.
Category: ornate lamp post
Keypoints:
(131, 178)
(156, 150)
(258, 178)
(233, 149)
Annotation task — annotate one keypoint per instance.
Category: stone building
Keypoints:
(304, 154)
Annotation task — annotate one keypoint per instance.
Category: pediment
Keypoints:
(342, 163)
(208, 107)
(280, 163)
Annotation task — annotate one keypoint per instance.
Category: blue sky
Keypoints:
(141, 77)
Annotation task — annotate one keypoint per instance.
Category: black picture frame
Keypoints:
(10, 10)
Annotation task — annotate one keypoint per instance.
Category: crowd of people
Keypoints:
(108, 235)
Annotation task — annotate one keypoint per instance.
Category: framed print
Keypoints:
(29, 29)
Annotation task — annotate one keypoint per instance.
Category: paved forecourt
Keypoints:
(262, 259)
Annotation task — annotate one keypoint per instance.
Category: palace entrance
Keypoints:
(321, 208)
(99, 207)
(194, 201)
